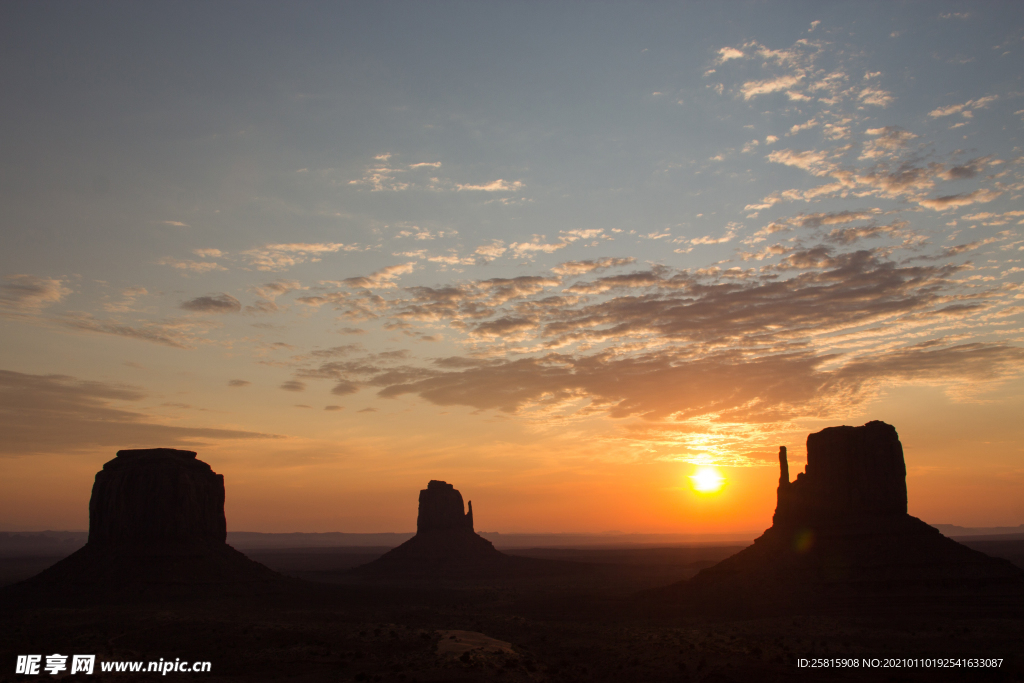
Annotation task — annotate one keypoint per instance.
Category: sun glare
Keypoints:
(707, 480)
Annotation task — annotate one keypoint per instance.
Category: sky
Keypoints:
(559, 255)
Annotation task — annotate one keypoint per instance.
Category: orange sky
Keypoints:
(559, 265)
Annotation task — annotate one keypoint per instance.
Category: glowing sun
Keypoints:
(707, 480)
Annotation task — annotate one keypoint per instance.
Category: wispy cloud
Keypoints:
(752, 89)
(727, 53)
(381, 279)
(953, 201)
(182, 334)
(812, 161)
(129, 297)
(730, 234)
(387, 176)
(498, 185)
(191, 266)
(277, 257)
(965, 108)
(581, 267)
(90, 414)
(213, 303)
(888, 139)
(30, 294)
(491, 251)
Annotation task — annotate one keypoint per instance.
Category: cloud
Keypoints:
(502, 290)
(269, 292)
(813, 161)
(191, 266)
(344, 388)
(875, 97)
(953, 201)
(767, 252)
(508, 327)
(833, 291)
(644, 278)
(730, 233)
(23, 294)
(989, 218)
(208, 253)
(498, 185)
(581, 267)
(964, 108)
(526, 249)
(381, 177)
(213, 303)
(177, 333)
(293, 385)
(847, 236)
(274, 257)
(815, 220)
(724, 387)
(970, 246)
(888, 140)
(128, 298)
(360, 305)
(752, 89)
(727, 53)
(382, 279)
(796, 128)
(766, 203)
(708, 344)
(491, 251)
(385, 176)
(968, 169)
(90, 414)
(238, 383)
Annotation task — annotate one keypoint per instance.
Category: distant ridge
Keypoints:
(252, 540)
(62, 543)
(953, 531)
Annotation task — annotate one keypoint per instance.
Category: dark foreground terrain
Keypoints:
(578, 622)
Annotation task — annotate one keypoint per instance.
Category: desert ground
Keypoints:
(581, 621)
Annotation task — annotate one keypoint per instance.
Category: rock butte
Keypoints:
(841, 539)
(445, 543)
(156, 529)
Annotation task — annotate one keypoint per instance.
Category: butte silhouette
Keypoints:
(156, 530)
(446, 546)
(445, 543)
(841, 539)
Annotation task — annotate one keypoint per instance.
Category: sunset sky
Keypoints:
(559, 255)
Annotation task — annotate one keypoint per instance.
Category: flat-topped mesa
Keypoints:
(851, 473)
(441, 509)
(156, 532)
(157, 496)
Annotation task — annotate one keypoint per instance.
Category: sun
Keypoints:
(707, 480)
